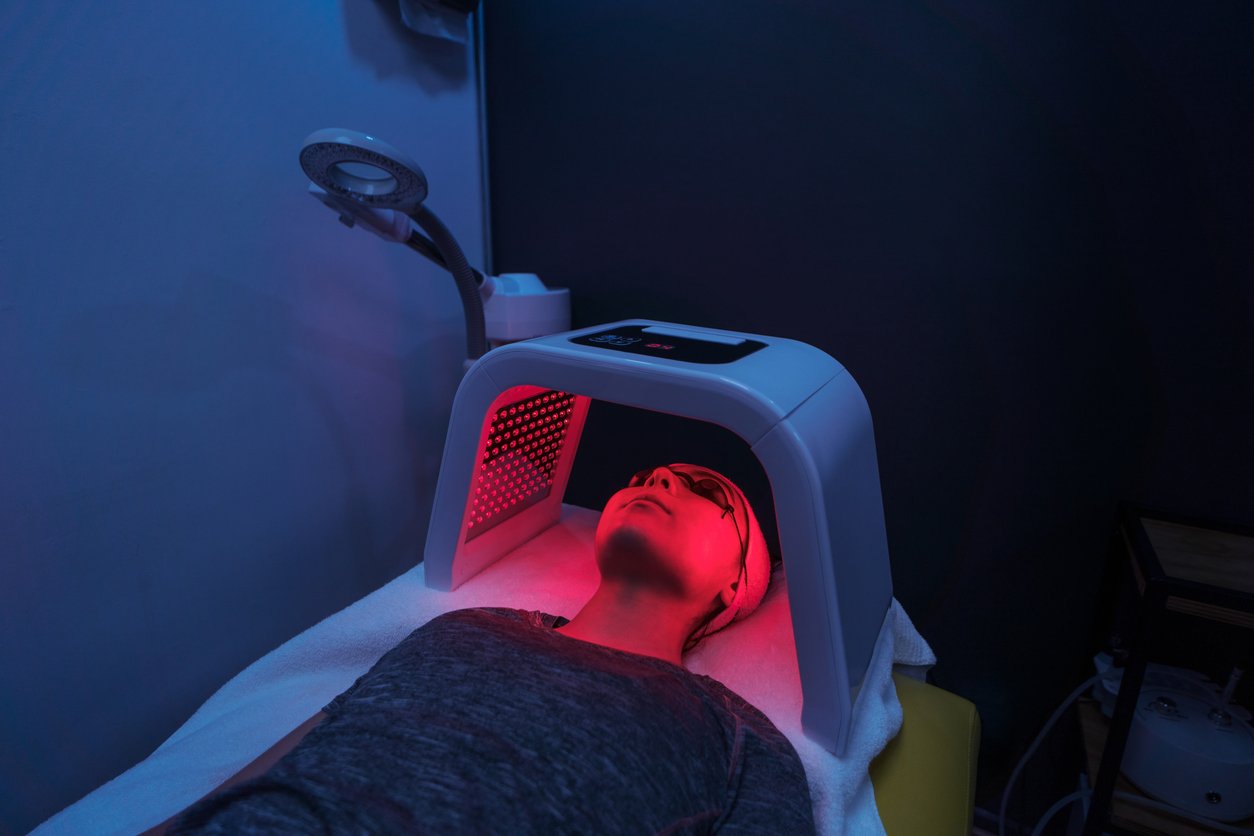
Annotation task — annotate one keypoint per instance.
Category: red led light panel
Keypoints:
(518, 455)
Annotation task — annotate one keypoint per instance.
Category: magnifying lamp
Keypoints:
(368, 182)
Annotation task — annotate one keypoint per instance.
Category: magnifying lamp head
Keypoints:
(362, 168)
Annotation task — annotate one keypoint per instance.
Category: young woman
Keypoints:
(497, 720)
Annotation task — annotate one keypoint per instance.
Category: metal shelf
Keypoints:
(1198, 568)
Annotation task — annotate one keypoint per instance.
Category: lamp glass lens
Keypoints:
(362, 178)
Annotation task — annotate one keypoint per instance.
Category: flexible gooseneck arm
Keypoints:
(467, 278)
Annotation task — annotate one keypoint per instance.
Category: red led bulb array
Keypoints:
(520, 454)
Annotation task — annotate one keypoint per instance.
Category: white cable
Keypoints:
(1049, 724)
(1058, 805)
(1184, 814)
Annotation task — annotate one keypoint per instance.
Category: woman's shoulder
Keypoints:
(530, 618)
(744, 711)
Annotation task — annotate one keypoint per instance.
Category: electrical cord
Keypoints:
(1049, 724)
(1058, 805)
(425, 247)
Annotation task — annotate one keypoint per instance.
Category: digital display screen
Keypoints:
(672, 343)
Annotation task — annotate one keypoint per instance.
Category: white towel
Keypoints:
(554, 573)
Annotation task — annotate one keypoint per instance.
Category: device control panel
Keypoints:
(672, 343)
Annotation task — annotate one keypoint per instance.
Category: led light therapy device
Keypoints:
(516, 423)
(520, 411)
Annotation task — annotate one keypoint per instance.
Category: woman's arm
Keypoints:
(259, 766)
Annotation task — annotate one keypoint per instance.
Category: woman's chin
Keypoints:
(637, 553)
(631, 536)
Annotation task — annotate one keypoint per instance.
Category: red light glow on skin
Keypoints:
(668, 558)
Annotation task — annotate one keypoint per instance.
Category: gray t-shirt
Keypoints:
(488, 720)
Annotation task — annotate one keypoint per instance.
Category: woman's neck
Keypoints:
(639, 620)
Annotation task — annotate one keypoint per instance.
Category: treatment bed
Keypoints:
(830, 660)
(921, 785)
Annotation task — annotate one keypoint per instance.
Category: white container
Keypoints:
(1189, 752)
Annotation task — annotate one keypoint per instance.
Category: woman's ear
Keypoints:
(728, 593)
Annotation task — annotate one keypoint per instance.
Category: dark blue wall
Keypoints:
(1023, 228)
(221, 412)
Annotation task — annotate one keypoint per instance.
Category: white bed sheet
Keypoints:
(554, 572)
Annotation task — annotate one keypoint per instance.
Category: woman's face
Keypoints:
(670, 528)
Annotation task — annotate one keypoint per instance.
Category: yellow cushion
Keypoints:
(925, 778)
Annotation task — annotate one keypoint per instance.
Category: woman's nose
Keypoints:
(664, 477)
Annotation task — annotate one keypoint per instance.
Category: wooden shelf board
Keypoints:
(1216, 558)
